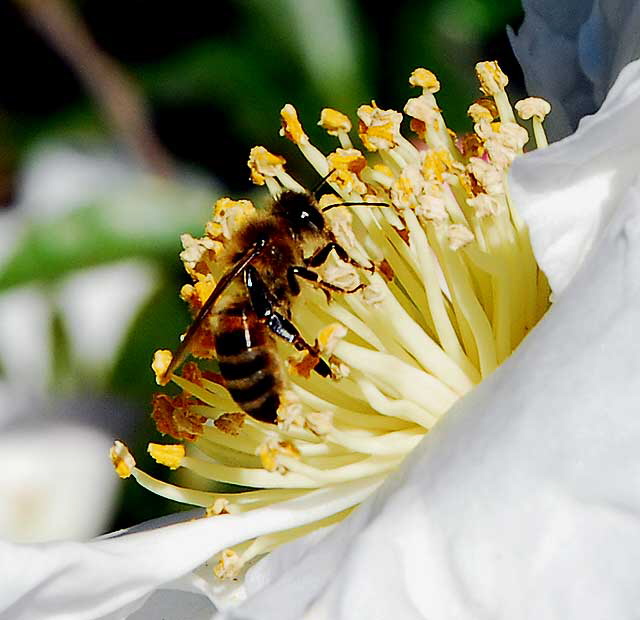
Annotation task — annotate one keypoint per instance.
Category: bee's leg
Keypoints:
(321, 255)
(262, 305)
(307, 274)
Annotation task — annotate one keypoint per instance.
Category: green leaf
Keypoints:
(143, 220)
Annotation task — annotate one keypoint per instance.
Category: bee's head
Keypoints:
(301, 213)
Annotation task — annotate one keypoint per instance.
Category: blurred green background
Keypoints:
(177, 93)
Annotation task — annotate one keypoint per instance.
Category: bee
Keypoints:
(251, 303)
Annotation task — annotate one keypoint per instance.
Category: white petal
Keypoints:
(175, 605)
(524, 502)
(568, 192)
(98, 306)
(572, 52)
(25, 338)
(111, 577)
(55, 482)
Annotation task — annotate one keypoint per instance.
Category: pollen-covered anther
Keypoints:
(197, 294)
(424, 79)
(488, 175)
(291, 127)
(269, 451)
(342, 275)
(438, 165)
(408, 187)
(424, 109)
(229, 565)
(230, 423)
(160, 364)
(347, 159)
(347, 182)
(122, 459)
(264, 164)
(319, 422)
(290, 410)
(330, 336)
(458, 235)
(334, 122)
(170, 455)
(470, 145)
(478, 113)
(173, 416)
(197, 252)
(492, 79)
(191, 372)
(340, 221)
(373, 294)
(504, 141)
(219, 507)
(301, 364)
(501, 155)
(484, 205)
(231, 215)
(513, 136)
(339, 370)
(533, 107)
(378, 129)
(431, 205)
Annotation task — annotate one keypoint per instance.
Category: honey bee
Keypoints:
(251, 304)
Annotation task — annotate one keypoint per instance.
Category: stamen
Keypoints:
(441, 285)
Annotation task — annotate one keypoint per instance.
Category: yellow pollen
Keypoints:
(492, 79)
(347, 159)
(122, 459)
(197, 251)
(435, 164)
(329, 336)
(196, 294)
(168, 455)
(479, 113)
(231, 215)
(161, 360)
(425, 79)
(378, 129)
(290, 411)
(264, 164)
(291, 127)
(271, 449)
(334, 122)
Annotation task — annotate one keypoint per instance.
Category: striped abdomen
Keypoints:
(248, 361)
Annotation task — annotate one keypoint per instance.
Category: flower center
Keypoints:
(422, 298)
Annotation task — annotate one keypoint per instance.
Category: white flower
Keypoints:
(54, 484)
(523, 500)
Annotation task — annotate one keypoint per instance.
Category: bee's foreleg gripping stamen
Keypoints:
(262, 305)
(307, 274)
(320, 256)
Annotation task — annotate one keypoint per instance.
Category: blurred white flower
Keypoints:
(53, 485)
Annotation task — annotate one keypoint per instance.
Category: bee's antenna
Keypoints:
(321, 182)
(356, 204)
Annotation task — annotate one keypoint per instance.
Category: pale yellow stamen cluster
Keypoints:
(454, 291)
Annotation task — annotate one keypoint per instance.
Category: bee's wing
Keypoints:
(223, 283)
